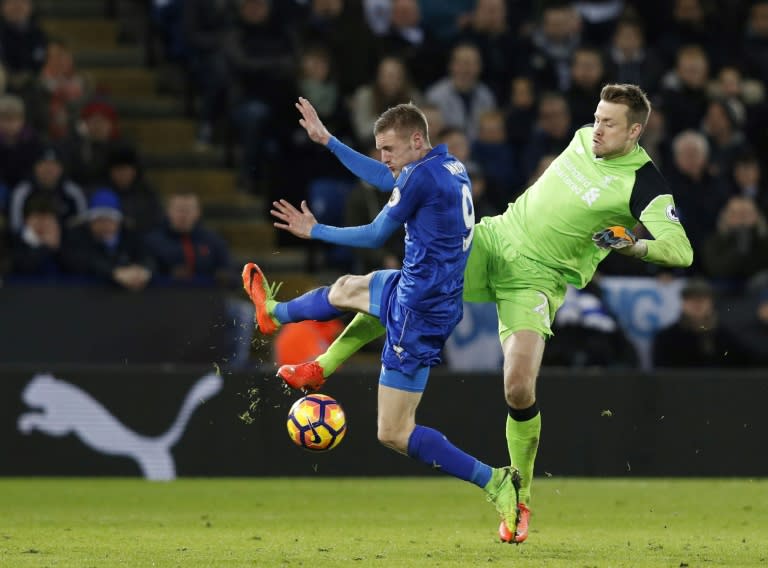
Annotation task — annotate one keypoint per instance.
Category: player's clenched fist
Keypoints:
(614, 238)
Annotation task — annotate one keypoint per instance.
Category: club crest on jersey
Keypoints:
(672, 214)
(394, 199)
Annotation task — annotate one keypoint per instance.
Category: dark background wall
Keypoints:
(699, 424)
(54, 324)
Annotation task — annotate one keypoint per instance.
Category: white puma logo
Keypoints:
(64, 408)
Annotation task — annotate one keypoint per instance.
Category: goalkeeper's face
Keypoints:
(398, 149)
(613, 135)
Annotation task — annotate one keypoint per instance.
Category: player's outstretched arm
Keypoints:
(368, 169)
(302, 223)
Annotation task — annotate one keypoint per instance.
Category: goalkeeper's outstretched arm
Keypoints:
(670, 245)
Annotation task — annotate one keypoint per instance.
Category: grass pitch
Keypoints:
(378, 522)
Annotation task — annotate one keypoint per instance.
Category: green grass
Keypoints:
(408, 522)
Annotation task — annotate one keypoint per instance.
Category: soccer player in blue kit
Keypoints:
(419, 305)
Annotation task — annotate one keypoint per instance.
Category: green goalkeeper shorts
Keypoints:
(527, 293)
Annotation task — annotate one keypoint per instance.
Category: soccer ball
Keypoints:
(316, 422)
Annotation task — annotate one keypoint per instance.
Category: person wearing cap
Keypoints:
(98, 132)
(104, 250)
(141, 206)
(697, 339)
(47, 179)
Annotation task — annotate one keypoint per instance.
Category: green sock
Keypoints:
(363, 329)
(522, 442)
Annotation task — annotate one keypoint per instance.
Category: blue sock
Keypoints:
(313, 305)
(432, 448)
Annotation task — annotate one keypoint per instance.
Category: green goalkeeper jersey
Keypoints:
(579, 195)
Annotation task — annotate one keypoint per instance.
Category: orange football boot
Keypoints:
(521, 526)
(305, 376)
(262, 295)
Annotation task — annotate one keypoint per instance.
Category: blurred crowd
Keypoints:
(75, 206)
(504, 84)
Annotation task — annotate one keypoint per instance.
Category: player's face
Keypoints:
(398, 150)
(613, 136)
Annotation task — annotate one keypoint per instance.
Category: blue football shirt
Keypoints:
(432, 197)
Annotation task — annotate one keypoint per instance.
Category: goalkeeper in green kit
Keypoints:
(556, 233)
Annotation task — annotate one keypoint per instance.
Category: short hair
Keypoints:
(404, 119)
(693, 138)
(40, 205)
(183, 194)
(633, 97)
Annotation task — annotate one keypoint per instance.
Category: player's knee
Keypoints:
(519, 394)
(340, 291)
(346, 291)
(392, 437)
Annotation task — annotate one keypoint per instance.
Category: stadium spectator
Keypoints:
(655, 140)
(587, 78)
(748, 181)
(140, 204)
(754, 330)
(23, 44)
(630, 59)
(722, 125)
(98, 132)
(546, 55)
(484, 202)
(262, 58)
(496, 157)
(103, 250)
(754, 51)
(739, 249)
(599, 18)
(488, 28)
(697, 339)
(19, 143)
(183, 250)
(445, 19)
(699, 195)
(321, 177)
(520, 111)
(391, 87)
(61, 87)
(36, 250)
(318, 82)
(377, 15)
(551, 133)
(205, 25)
(731, 85)
(408, 40)
(47, 180)
(457, 142)
(684, 90)
(434, 117)
(337, 25)
(461, 96)
(587, 334)
(691, 22)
